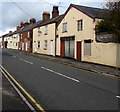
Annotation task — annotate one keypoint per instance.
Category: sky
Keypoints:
(12, 12)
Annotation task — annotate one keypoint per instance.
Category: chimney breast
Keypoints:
(55, 12)
(46, 16)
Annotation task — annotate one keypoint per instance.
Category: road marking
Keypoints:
(118, 96)
(28, 95)
(60, 74)
(20, 94)
(14, 56)
(26, 61)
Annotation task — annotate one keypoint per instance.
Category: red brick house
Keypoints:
(26, 37)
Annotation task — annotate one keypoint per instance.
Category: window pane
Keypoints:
(71, 48)
(64, 27)
(66, 48)
(80, 25)
(87, 49)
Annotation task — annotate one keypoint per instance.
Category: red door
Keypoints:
(79, 51)
(62, 48)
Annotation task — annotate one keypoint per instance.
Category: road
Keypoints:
(59, 87)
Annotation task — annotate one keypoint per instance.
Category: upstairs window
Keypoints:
(28, 34)
(46, 30)
(80, 25)
(39, 32)
(64, 29)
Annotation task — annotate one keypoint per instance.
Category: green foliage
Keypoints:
(112, 21)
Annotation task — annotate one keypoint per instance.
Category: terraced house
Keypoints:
(45, 34)
(71, 35)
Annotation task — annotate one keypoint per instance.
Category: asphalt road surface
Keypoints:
(59, 87)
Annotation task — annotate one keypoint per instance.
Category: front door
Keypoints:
(78, 51)
(62, 48)
(26, 46)
(51, 47)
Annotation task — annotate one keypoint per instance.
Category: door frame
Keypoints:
(79, 50)
(51, 47)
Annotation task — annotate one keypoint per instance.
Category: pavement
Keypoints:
(96, 68)
(11, 101)
(56, 86)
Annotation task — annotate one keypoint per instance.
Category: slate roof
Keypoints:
(92, 12)
(54, 20)
(27, 28)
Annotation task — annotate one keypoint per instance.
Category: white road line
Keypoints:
(26, 61)
(118, 96)
(60, 74)
(20, 94)
(14, 56)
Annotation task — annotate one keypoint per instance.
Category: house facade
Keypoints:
(71, 35)
(13, 41)
(44, 35)
(44, 39)
(77, 37)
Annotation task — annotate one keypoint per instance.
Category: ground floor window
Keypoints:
(68, 43)
(28, 44)
(38, 44)
(45, 44)
(87, 47)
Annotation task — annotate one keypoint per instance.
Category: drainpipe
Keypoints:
(55, 37)
(117, 58)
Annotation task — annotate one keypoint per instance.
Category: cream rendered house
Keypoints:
(77, 37)
(13, 41)
(44, 39)
(44, 35)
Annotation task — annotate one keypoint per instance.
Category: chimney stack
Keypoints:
(21, 24)
(18, 27)
(10, 32)
(32, 20)
(55, 12)
(46, 16)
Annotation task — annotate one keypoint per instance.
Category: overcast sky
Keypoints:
(12, 12)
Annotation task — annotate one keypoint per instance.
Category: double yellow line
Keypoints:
(28, 95)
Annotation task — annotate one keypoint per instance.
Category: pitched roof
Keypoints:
(30, 27)
(90, 11)
(53, 20)
(27, 28)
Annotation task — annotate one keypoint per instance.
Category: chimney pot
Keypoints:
(32, 20)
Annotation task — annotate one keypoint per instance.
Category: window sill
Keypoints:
(45, 49)
(64, 32)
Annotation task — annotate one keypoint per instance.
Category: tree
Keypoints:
(112, 21)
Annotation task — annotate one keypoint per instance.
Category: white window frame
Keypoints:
(38, 44)
(46, 29)
(39, 32)
(64, 27)
(28, 34)
(80, 25)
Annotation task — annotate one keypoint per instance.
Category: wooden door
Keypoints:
(62, 48)
(79, 51)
